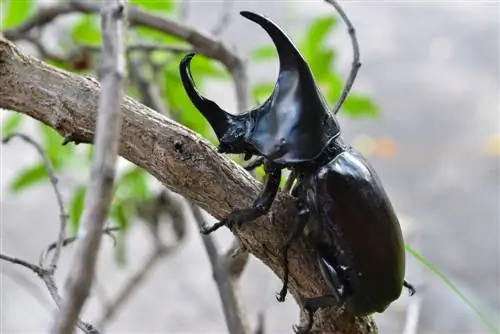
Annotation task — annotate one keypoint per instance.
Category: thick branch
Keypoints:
(179, 158)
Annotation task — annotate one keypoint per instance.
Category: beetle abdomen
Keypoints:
(358, 227)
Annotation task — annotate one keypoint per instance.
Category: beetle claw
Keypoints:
(410, 287)
(206, 230)
(300, 329)
(280, 297)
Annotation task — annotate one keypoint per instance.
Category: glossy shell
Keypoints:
(357, 231)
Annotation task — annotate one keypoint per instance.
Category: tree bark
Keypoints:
(179, 158)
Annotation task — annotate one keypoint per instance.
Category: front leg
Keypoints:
(260, 206)
(254, 164)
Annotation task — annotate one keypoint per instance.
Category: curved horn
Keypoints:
(288, 53)
(219, 119)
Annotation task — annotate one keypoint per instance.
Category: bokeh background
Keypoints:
(433, 70)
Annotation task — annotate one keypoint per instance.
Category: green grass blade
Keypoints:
(452, 286)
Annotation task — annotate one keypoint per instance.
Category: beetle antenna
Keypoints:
(356, 64)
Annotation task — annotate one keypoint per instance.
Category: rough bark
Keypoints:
(176, 156)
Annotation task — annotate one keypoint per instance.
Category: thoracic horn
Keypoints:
(218, 118)
(289, 55)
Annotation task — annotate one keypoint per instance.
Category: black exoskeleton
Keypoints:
(352, 224)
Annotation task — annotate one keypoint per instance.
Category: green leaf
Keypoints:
(121, 249)
(265, 52)
(321, 64)
(149, 34)
(17, 11)
(317, 33)
(77, 204)
(155, 5)
(121, 215)
(58, 154)
(58, 63)
(449, 283)
(182, 108)
(133, 184)
(357, 106)
(332, 87)
(90, 153)
(206, 67)
(12, 123)
(262, 91)
(29, 177)
(87, 30)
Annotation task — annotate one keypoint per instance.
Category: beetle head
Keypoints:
(292, 125)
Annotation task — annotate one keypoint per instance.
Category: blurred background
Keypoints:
(425, 111)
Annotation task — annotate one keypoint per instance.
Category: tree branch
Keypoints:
(203, 44)
(177, 157)
(81, 275)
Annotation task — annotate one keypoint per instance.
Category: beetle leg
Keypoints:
(259, 208)
(410, 288)
(254, 164)
(303, 218)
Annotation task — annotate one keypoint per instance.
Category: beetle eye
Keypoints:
(238, 132)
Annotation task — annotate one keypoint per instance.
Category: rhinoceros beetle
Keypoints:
(339, 197)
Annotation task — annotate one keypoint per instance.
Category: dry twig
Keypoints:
(231, 305)
(356, 64)
(79, 279)
(164, 205)
(225, 18)
(47, 277)
(63, 215)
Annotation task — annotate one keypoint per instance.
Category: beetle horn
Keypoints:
(218, 118)
(289, 55)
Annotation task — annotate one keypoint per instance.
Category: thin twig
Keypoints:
(185, 8)
(225, 18)
(63, 215)
(149, 92)
(100, 190)
(70, 240)
(147, 48)
(163, 205)
(47, 277)
(235, 320)
(42, 50)
(36, 269)
(355, 62)
(131, 285)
